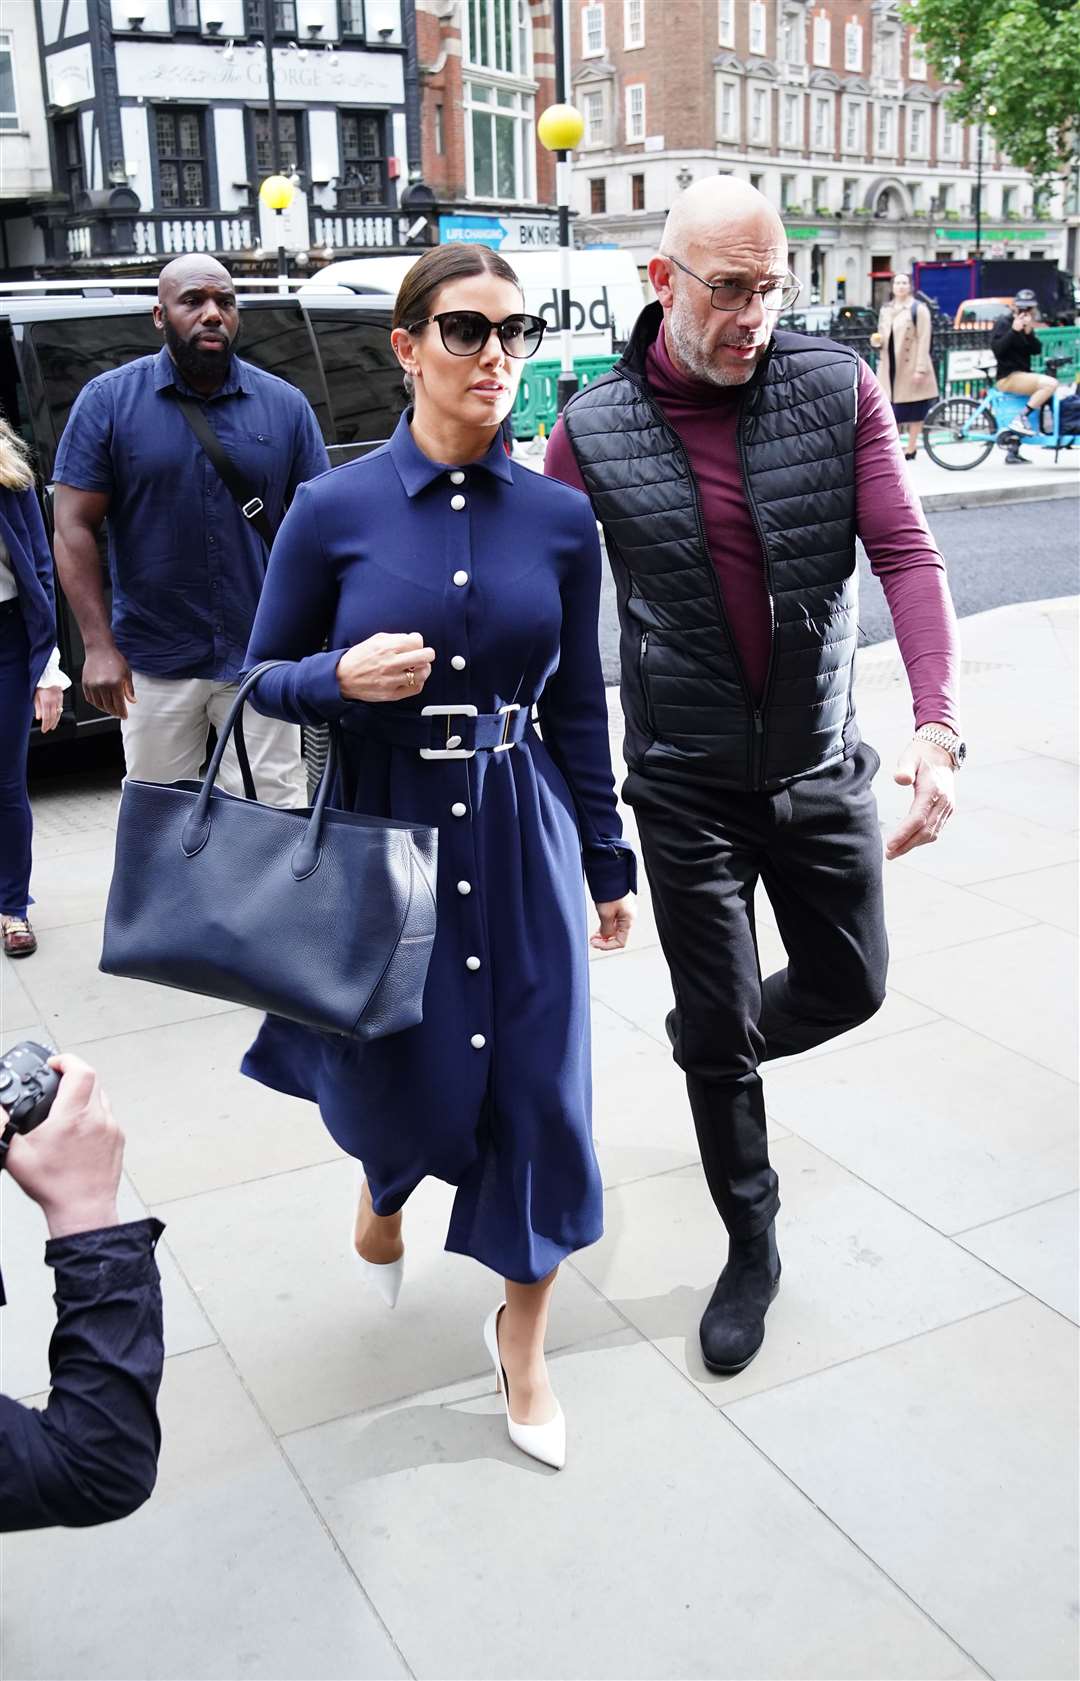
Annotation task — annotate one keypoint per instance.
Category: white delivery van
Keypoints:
(606, 293)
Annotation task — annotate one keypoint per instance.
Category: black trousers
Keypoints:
(816, 847)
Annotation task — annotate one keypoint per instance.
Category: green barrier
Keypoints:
(1057, 342)
(538, 394)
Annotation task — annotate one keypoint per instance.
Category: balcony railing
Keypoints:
(345, 231)
(159, 235)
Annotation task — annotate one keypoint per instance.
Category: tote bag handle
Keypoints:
(196, 831)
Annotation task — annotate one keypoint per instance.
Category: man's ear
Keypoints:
(159, 318)
(659, 272)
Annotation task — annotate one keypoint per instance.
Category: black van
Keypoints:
(334, 347)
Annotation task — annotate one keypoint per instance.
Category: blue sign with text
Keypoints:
(471, 230)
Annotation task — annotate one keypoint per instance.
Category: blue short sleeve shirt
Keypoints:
(187, 568)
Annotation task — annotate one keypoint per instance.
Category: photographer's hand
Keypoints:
(70, 1165)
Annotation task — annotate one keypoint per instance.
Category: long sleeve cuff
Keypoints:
(52, 677)
(317, 685)
(93, 1264)
(610, 870)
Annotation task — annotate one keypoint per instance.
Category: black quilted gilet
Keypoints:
(688, 710)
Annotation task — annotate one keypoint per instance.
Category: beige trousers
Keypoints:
(165, 735)
(1037, 388)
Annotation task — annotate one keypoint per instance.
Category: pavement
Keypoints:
(888, 1490)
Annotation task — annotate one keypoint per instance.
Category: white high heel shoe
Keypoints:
(384, 1277)
(545, 1442)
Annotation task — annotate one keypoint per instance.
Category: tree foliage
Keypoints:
(1020, 56)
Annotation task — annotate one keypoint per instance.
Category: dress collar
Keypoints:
(167, 373)
(416, 470)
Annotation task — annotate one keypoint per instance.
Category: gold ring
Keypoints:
(410, 676)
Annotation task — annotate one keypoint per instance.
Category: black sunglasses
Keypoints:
(465, 332)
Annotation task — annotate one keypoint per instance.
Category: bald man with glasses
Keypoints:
(732, 468)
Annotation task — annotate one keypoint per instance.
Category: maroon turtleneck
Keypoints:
(889, 520)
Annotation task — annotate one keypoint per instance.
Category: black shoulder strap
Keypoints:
(248, 501)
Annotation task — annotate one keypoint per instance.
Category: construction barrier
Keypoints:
(538, 394)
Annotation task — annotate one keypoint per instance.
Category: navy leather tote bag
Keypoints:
(324, 917)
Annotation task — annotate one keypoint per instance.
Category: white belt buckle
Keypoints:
(448, 712)
(506, 712)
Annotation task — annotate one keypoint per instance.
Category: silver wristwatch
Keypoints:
(953, 744)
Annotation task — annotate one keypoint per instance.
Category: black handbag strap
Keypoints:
(247, 500)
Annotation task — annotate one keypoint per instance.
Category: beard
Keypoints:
(199, 367)
(685, 336)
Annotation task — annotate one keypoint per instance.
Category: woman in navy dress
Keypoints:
(455, 591)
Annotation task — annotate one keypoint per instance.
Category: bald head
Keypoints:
(723, 252)
(191, 267)
(716, 206)
(197, 312)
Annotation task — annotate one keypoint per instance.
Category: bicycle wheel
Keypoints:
(959, 433)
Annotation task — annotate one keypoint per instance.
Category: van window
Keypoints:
(276, 337)
(73, 350)
(362, 374)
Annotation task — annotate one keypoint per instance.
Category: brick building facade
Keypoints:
(828, 105)
(486, 73)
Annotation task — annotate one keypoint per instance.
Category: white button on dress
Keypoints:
(461, 578)
(458, 662)
(464, 887)
(472, 963)
(453, 741)
(457, 478)
(478, 1041)
(457, 503)
(458, 809)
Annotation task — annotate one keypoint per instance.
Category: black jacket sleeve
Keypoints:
(91, 1454)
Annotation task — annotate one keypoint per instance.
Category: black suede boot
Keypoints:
(733, 1324)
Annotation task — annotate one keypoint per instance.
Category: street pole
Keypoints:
(978, 195)
(275, 138)
(567, 382)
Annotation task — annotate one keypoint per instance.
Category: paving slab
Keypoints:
(638, 988)
(71, 888)
(226, 1573)
(271, 1263)
(959, 1130)
(1046, 789)
(1039, 1249)
(1044, 895)
(1018, 989)
(859, 1272)
(667, 1547)
(26, 1323)
(78, 1003)
(952, 1461)
(18, 1012)
(984, 844)
(924, 915)
(193, 1121)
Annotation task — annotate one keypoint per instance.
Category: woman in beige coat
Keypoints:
(905, 370)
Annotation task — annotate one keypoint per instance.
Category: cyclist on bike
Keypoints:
(1014, 344)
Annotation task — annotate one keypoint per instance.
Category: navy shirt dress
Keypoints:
(499, 569)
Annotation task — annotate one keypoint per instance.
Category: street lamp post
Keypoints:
(560, 129)
(277, 193)
(991, 111)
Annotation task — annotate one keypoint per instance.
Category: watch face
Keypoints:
(960, 753)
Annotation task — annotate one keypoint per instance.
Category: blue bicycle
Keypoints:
(960, 432)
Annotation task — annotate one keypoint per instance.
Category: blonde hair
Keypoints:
(16, 472)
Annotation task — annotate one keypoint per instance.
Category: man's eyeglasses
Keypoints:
(465, 332)
(728, 294)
